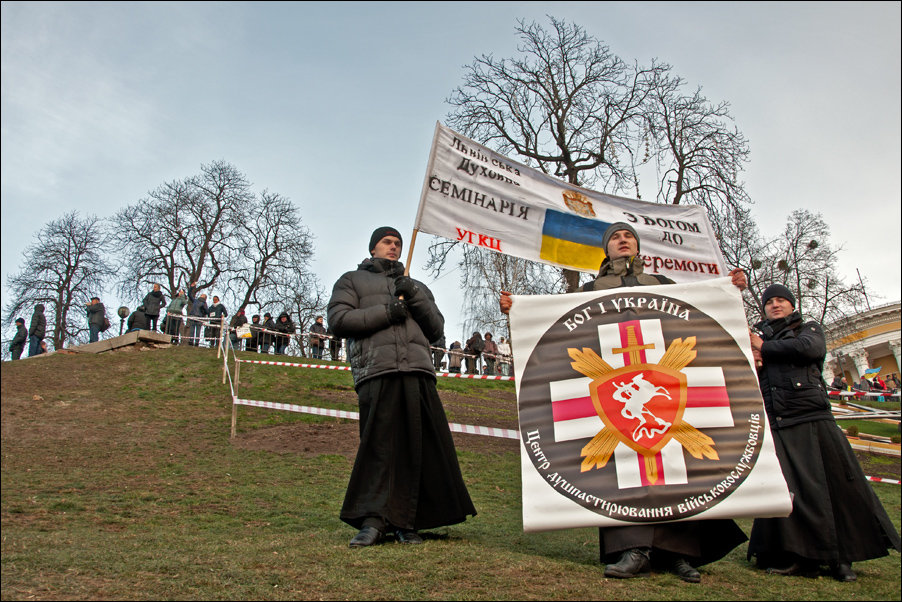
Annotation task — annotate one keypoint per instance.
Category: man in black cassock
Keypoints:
(406, 476)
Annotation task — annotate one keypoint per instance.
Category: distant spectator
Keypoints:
(490, 351)
(438, 353)
(37, 330)
(153, 303)
(237, 321)
(894, 381)
(504, 357)
(334, 345)
(267, 336)
(217, 312)
(317, 338)
(199, 312)
(879, 384)
(253, 343)
(174, 314)
(96, 313)
(455, 357)
(17, 345)
(285, 328)
(473, 351)
(138, 320)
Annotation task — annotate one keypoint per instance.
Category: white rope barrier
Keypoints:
(334, 367)
(486, 431)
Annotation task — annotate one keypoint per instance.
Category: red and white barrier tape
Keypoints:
(882, 480)
(468, 429)
(334, 367)
(324, 366)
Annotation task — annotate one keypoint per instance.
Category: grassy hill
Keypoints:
(120, 482)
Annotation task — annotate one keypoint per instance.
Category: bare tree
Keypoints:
(484, 275)
(62, 269)
(696, 149)
(570, 107)
(271, 247)
(181, 232)
(803, 259)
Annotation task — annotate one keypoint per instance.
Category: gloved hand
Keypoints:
(405, 285)
(397, 311)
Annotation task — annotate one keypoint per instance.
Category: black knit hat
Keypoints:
(614, 228)
(20, 321)
(777, 290)
(380, 233)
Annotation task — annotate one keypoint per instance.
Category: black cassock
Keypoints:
(406, 470)
(836, 516)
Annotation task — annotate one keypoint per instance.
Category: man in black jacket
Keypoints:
(406, 476)
(17, 345)
(96, 314)
(37, 330)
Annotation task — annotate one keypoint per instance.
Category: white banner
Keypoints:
(641, 405)
(479, 197)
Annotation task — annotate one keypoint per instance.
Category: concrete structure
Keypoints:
(870, 339)
(124, 340)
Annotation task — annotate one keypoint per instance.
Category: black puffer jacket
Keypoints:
(38, 322)
(153, 301)
(358, 311)
(790, 376)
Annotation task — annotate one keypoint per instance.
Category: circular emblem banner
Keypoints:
(640, 407)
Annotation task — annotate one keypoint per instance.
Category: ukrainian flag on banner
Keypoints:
(573, 241)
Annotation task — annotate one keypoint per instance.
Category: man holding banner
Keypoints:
(638, 402)
(629, 551)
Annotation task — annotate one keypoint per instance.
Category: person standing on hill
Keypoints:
(153, 303)
(174, 314)
(217, 312)
(96, 313)
(406, 476)
(37, 330)
(317, 338)
(17, 345)
(473, 351)
(196, 315)
(285, 327)
(267, 334)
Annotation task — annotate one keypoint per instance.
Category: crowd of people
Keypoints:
(406, 475)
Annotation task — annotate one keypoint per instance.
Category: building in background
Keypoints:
(870, 339)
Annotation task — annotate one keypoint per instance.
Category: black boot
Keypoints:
(685, 571)
(632, 563)
(842, 571)
(368, 536)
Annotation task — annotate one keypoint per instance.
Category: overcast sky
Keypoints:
(333, 105)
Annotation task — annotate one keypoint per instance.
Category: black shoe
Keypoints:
(632, 563)
(842, 571)
(408, 536)
(685, 571)
(796, 568)
(368, 536)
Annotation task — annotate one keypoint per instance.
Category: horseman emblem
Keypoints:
(640, 404)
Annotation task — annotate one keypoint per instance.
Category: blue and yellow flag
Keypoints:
(572, 240)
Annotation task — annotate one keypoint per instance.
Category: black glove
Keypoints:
(406, 286)
(397, 311)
